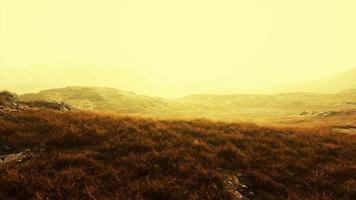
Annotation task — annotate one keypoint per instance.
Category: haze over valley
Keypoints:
(276, 107)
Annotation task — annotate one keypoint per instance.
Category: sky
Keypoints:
(173, 48)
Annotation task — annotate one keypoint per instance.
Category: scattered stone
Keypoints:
(17, 157)
(309, 112)
(327, 114)
(60, 106)
(238, 190)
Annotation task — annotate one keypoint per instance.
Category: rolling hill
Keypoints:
(250, 107)
(101, 99)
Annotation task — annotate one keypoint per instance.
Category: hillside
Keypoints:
(47, 154)
(246, 107)
(332, 84)
(101, 99)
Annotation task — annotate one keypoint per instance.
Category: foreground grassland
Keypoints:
(79, 155)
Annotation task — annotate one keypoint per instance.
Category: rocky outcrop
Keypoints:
(328, 113)
(8, 99)
(60, 106)
(9, 103)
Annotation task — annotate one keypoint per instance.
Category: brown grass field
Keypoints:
(81, 155)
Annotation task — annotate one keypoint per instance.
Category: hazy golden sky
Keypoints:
(172, 48)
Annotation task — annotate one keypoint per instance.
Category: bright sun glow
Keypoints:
(173, 48)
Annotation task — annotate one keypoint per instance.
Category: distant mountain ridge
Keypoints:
(332, 84)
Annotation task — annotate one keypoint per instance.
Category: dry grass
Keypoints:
(92, 156)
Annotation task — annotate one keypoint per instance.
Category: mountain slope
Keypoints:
(335, 83)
